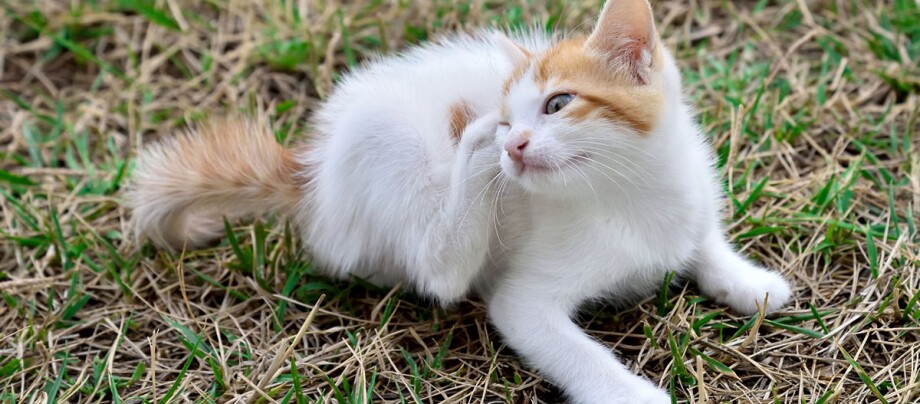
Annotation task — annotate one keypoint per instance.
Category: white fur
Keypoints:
(392, 198)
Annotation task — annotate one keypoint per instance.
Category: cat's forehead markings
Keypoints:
(637, 115)
(602, 94)
(563, 61)
(516, 75)
(522, 93)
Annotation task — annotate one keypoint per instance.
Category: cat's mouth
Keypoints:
(537, 166)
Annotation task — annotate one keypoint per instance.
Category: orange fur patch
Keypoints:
(602, 91)
(237, 152)
(461, 114)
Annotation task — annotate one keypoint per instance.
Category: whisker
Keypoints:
(629, 167)
(474, 175)
(608, 177)
(587, 181)
(559, 169)
(473, 201)
(496, 224)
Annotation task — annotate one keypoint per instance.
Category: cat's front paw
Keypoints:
(632, 390)
(649, 395)
(479, 150)
(745, 293)
(479, 135)
(731, 279)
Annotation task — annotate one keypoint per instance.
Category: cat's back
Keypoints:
(419, 86)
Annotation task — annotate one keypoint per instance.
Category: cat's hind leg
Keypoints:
(729, 278)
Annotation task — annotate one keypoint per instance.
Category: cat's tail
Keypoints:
(183, 187)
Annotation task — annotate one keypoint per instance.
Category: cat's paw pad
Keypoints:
(746, 293)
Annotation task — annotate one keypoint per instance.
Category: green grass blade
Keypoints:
(664, 305)
(818, 318)
(863, 375)
(872, 252)
(794, 328)
(713, 363)
(151, 13)
(175, 386)
(14, 179)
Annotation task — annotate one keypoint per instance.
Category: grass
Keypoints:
(812, 106)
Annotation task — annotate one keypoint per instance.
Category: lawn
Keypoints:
(812, 105)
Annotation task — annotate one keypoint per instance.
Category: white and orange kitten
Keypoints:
(539, 173)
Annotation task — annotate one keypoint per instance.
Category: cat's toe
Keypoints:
(779, 290)
(639, 391)
(651, 396)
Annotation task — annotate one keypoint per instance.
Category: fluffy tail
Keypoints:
(185, 186)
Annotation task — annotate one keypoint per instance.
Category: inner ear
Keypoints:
(515, 53)
(625, 35)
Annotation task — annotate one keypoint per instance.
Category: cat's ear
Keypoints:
(625, 35)
(514, 52)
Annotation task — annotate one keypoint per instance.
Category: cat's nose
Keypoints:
(515, 147)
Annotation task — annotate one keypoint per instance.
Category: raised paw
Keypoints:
(480, 134)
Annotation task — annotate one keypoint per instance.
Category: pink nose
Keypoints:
(515, 147)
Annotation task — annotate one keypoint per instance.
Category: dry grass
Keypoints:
(813, 106)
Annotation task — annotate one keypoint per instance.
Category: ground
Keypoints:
(812, 105)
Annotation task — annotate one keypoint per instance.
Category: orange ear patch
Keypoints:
(461, 114)
(602, 91)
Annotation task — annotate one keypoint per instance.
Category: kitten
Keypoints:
(539, 173)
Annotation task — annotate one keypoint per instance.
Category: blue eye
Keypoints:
(557, 102)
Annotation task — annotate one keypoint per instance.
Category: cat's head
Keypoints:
(575, 117)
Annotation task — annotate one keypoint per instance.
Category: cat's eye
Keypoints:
(557, 102)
